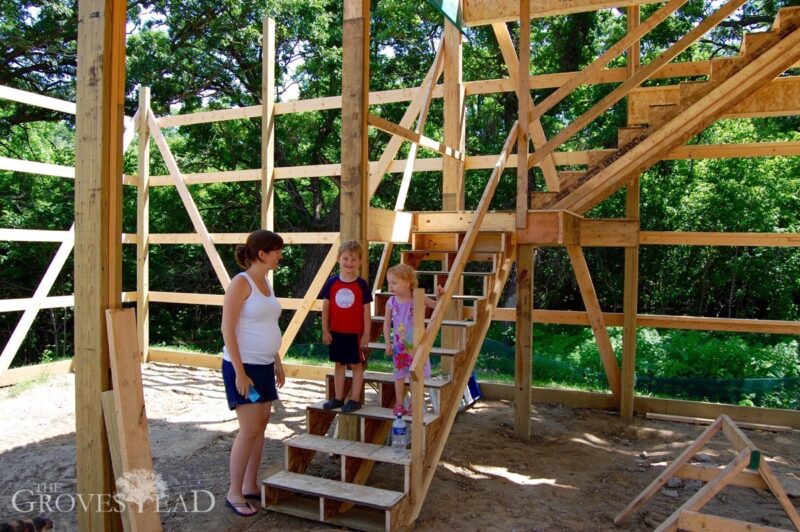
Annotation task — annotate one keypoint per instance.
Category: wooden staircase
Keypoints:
(350, 500)
(681, 115)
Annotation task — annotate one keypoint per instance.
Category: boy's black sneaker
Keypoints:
(351, 406)
(330, 404)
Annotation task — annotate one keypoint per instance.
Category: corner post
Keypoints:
(98, 264)
(523, 99)
(355, 107)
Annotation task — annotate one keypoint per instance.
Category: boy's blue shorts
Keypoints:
(344, 348)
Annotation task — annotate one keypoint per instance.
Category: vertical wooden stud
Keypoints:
(523, 100)
(268, 125)
(98, 172)
(631, 280)
(522, 367)
(452, 169)
(143, 227)
(417, 400)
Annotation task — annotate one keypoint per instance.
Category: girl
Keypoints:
(397, 327)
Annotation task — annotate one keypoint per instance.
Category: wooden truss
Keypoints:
(748, 469)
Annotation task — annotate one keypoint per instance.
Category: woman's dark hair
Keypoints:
(261, 240)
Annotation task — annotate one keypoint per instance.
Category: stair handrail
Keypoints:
(423, 348)
(639, 77)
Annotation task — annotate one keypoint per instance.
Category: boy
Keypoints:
(346, 324)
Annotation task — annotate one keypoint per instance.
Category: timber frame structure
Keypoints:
(660, 120)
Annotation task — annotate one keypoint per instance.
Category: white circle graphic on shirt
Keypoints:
(345, 298)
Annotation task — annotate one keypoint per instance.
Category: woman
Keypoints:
(251, 367)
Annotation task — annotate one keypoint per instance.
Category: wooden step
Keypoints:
(723, 67)
(448, 242)
(755, 43)
(445, 323)
(415, 257)
(441, 351)
(459, 297)
(626, 134)
(691, 91)
(543, 200)
(372, 412)
(788, 17)
(353, 449)
(465, 274)
(660, 113)
(356, 518)
(334, 489)
(388, 378)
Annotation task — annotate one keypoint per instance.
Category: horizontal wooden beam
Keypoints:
(37, 100)
(230, 238)
(643, 405)
(188, 298)
(32, 235)
(567, 397)
(709, 421)
(413, 136)
(21, 304)
(658, 321)
(550, 228)
(482, 12)
(31, 167)
(37, 371)
(686, 238)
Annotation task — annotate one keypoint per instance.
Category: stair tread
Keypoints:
(442, 272)
(462, 297)
(335, 489)
(445, 323)
(434, 350)
(375, 412)
(355, 449)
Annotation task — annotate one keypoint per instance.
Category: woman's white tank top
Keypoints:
(257, 331)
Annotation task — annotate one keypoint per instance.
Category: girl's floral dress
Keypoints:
(402, 338)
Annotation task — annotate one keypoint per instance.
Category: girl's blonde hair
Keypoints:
(404, 272)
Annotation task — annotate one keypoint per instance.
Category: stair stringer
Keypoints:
(438, 433)
(687, 123)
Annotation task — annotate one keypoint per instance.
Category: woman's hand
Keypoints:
(280, 376)
(243, 383)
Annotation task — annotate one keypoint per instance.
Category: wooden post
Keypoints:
(143, 227)
(453, 170)
(631, 282)
(98, 205)
(522, 367)
(354, 195)
(268, 125)
(355, 108)
(523, 100)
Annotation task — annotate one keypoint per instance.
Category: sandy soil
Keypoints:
(577, 472)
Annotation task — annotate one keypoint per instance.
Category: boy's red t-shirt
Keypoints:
(347, 300)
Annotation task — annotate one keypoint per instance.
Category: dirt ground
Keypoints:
(579, 469)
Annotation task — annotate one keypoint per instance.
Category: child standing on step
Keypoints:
(398, 327)
(346, 325)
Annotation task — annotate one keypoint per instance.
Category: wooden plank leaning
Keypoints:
(134, 459)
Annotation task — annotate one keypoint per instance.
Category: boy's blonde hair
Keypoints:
(404, 272)
(352, 246)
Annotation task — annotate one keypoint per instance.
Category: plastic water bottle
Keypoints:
(252, 395)
(399, 434)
